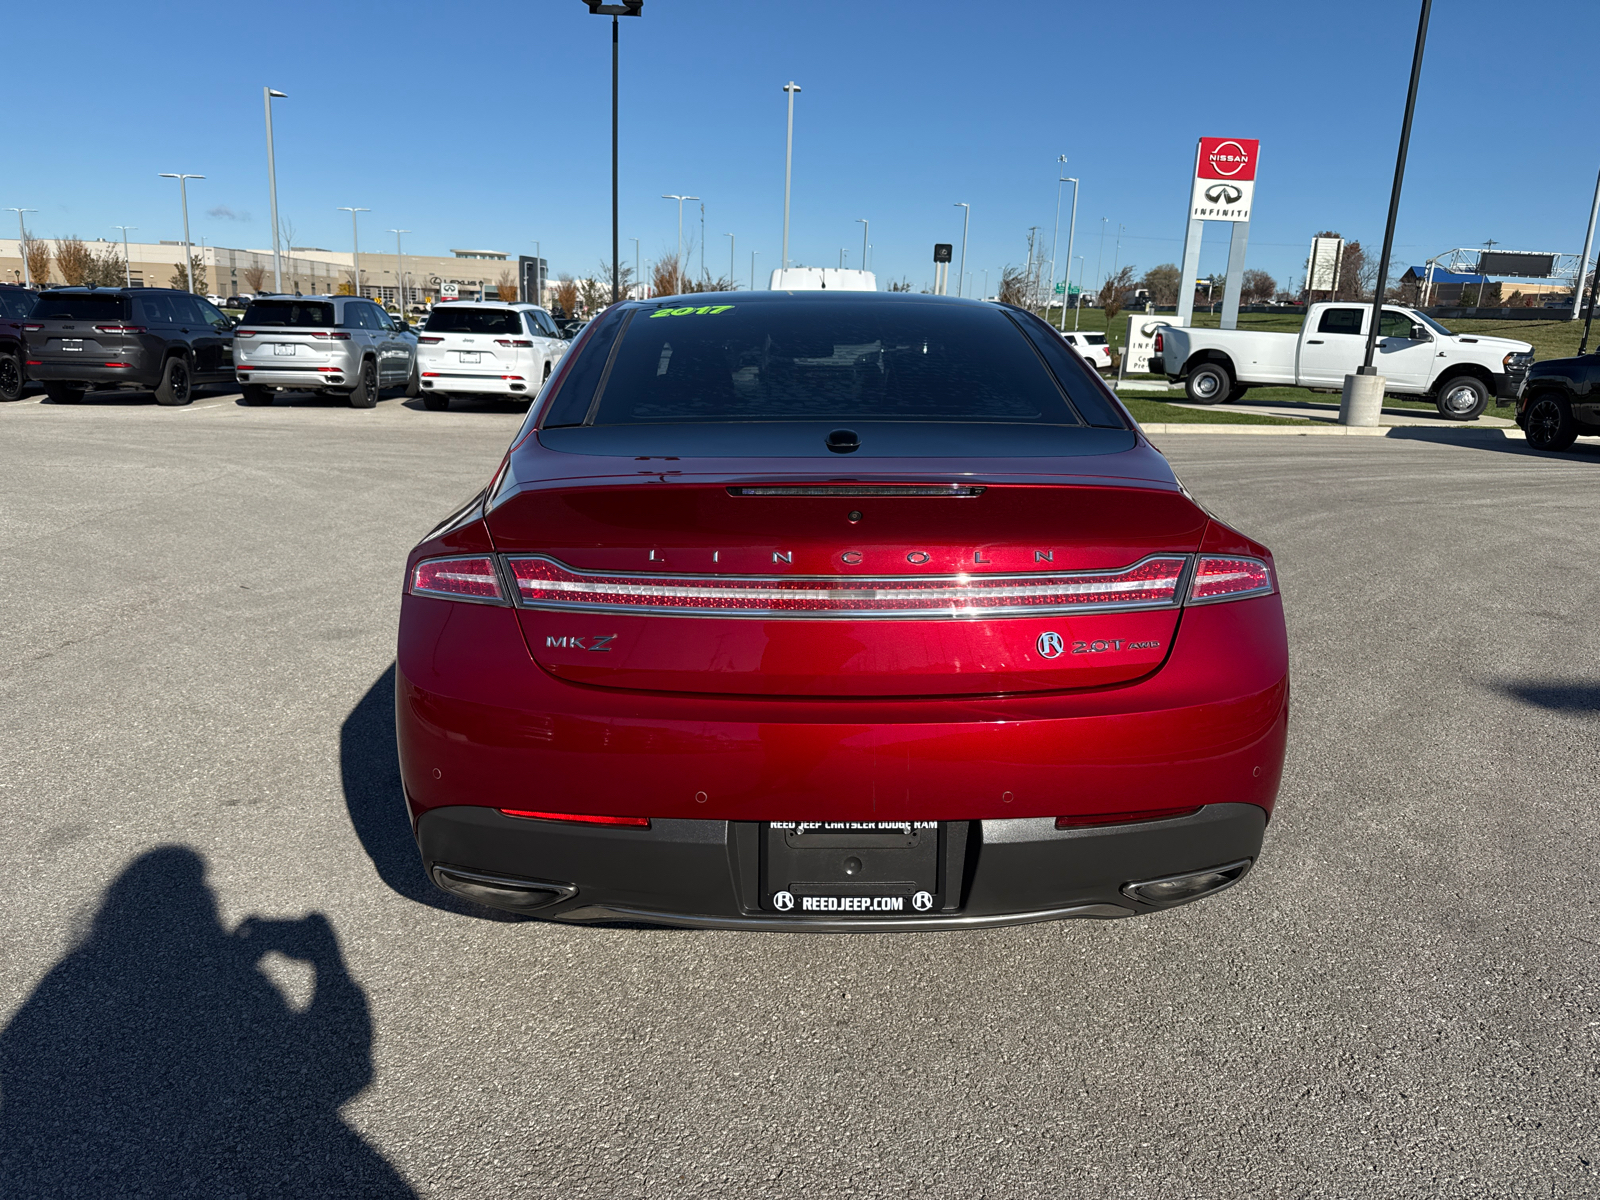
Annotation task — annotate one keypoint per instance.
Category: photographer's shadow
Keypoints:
(157, 1059)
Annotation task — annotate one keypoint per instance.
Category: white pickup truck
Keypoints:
(1417, 356)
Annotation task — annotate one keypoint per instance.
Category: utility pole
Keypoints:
(267, 97)
(188, 250)
(355, 241)
(788, 169)
(127, 264)
(22, 244)
(966, 215)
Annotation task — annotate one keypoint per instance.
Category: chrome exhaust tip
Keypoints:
(500, 891)
(1179, 889)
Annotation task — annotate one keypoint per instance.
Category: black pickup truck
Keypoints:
(1561, 401)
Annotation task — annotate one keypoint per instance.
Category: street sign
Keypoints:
(942, 252)
(1060, 288)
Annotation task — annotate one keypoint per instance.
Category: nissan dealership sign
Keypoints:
(1224, 179)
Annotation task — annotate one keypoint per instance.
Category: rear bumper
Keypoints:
(707, 873)
(95, 375)
(460, 384)
(299, 378)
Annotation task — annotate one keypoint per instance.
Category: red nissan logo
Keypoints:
(1225, 163)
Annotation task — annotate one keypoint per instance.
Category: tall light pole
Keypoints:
(1077, 309)
(22, 244)
(1100, 257)
(1055, 238)
(864, 228)
(188, 251)
(788, 168)
(966, 215)
(753, 254)
(702, 240)
(638, 268)
(628, 8)
(267, 97)
(355, 241)
(1583, 262)
(678, 270)
(400, 268)
(1066, 276)
(127, 265)
(732, 242)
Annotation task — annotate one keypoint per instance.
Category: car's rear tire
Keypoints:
(435, 401)
(12, 380)
(175, 387)
(365, 393)
(1237, 393)
(63, 393)
(255, 394)
(414, 384)
(1209, 383)
(1548, 423)
(1463, 398)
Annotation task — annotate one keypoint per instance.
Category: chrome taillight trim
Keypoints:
(730, 589)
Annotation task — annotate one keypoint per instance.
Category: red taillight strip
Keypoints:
(579, 818)
(1231, 577)
(473, 579)
(1150, 583)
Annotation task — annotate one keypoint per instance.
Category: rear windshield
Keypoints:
(1095, 339)
(16, 302)
(463, 318)
(81, 308)
(807, 360)
(301, 314)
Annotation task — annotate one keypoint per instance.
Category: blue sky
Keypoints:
(488, 126)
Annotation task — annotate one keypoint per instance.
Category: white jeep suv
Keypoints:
(486, 348)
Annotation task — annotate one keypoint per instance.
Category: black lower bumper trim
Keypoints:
(704, 874)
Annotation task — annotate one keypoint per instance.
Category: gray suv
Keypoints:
(341, 345)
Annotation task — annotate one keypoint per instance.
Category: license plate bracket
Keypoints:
(864, 869)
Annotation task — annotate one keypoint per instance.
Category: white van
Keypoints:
(816, 279)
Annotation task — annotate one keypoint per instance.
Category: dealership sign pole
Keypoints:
(1222, 189)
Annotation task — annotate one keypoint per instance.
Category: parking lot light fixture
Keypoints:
(627, 8)
(400, 269)
(355, 241)
(732, 242)
(862, 221)
(22, 239)
(678, 266)
(966, 215)
(127, 263)
(268, 95)
(1066, 275)
(1394, 195)
(753, 254)
(188, 250)
(793, 89)
(1583, 260)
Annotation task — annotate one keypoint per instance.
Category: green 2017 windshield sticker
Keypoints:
(704, 310)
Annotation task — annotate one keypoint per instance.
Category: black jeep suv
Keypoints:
(82, 338)
(1561, 401)
(15, 304)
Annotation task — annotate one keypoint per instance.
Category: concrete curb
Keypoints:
(1417, 433)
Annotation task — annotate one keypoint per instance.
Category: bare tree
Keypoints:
(37, 252)
(1013, 285)
(255, 278)
(1258, 287)
(1162, 283)
(664, 276)
(903, 286)
(1114, 293)
(1356, 277)
(75, 260)
(180, 277)
(109, 268)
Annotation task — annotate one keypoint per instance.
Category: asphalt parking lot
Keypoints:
(198, 797)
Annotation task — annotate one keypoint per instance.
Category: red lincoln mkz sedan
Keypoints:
(836, 611)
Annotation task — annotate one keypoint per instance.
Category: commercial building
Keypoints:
(309, 270)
